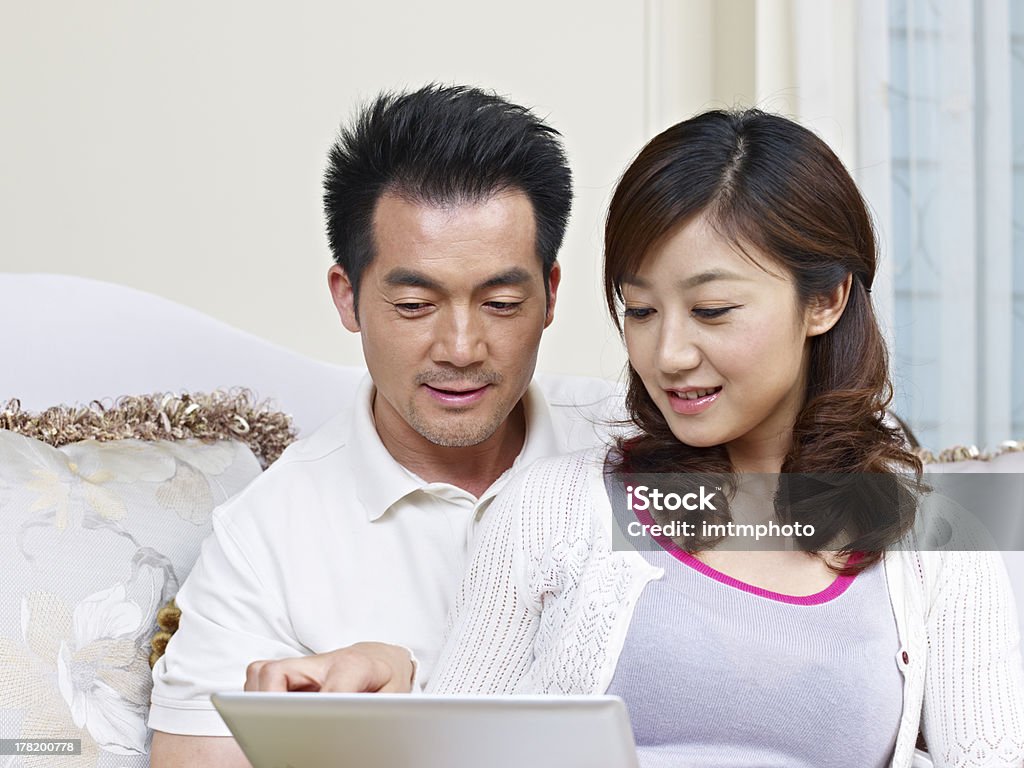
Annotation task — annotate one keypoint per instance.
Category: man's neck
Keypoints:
(473, 468)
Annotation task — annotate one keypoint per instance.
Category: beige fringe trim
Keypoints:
(167, 619)
(967, 453)
(231, 415)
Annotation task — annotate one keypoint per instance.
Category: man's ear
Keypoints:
(554, 278)
(826, 309)
(344, 297)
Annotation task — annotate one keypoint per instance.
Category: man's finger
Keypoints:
(252, 675)
(398, 661)
(360, 668)
(356, 674)
(397, 684)
(285, 675)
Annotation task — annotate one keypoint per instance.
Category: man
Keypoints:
(446, 208)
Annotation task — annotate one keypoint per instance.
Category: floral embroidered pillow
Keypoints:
(94, 538)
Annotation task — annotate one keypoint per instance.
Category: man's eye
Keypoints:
(504, 306)
(711, 313)
(638, 313)
(411, 307)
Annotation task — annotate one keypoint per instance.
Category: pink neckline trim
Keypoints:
(831, 592)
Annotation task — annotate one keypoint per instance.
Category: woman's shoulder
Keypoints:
(556, 489)
(942, 525)
(946, 545)
(557, 470)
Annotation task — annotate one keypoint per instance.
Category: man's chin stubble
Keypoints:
(453, 438)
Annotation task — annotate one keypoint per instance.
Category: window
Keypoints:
(956, 221)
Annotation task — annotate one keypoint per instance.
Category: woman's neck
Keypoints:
(753, 462)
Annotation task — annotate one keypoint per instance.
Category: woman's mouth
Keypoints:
(692, 400)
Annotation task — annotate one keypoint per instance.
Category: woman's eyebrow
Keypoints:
(711, 276)
(635, 280)
(693, 281)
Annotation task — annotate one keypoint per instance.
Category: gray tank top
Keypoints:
(715, 672)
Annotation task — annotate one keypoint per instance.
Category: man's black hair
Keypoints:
(442, 145)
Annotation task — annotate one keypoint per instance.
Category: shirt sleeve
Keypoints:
(974, 685)
(492, 625)
(230, 617)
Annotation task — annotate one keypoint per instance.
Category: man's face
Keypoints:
(451, 311)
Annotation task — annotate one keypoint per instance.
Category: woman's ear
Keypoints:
(826, 309)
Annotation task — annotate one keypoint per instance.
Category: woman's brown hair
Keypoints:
(761, 180)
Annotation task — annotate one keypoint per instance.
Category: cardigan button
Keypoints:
(906, 657)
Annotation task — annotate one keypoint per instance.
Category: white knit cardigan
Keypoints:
(546, 604)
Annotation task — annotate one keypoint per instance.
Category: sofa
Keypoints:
(117, 440)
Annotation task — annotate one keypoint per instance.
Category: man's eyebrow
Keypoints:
(408, 278)
(401, 277)
(514, 276)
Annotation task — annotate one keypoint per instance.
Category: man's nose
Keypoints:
(460, 338)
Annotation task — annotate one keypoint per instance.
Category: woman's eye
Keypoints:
(638, 313)
(710, 313)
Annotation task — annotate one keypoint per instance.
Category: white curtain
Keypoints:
(924, 101)
(940, 157)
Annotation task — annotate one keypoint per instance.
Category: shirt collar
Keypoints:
(542, 439)
(380, 481)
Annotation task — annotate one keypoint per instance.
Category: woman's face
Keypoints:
(720, 344)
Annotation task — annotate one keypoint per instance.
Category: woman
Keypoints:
(739, 258)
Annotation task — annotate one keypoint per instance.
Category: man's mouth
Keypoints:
(457, 394)
(456, 390)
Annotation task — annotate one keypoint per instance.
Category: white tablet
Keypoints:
(378, 730)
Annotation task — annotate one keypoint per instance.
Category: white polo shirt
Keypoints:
(335, 544)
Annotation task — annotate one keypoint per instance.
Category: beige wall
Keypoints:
(178, 146)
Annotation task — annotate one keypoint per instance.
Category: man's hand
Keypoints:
(359, 668)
